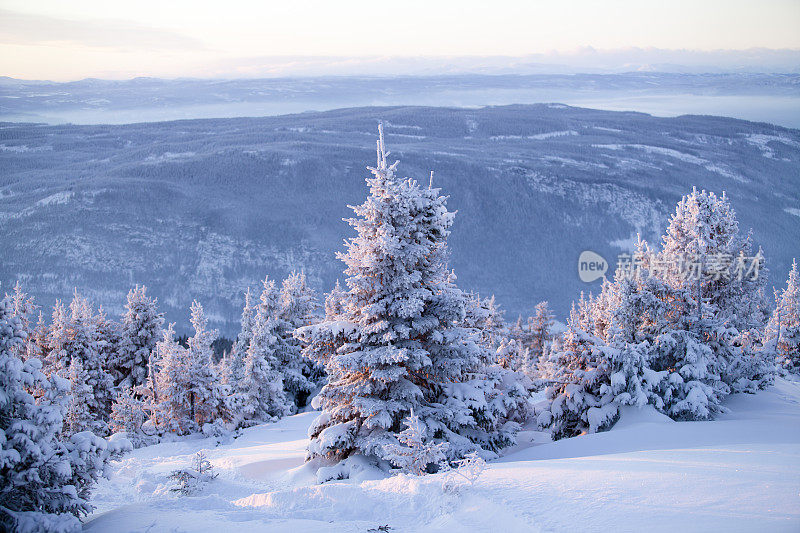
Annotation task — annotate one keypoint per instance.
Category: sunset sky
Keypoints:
(51, 39)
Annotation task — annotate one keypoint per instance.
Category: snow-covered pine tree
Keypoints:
(510, 354)
(334, 301)
(90, 342)
(24, 309)
(320, 343)
(171, 407)
(233, 363)
(581, 400)
(494, 329)
(647, 348)
(140, 330)
(783, 329)
(399, 343)
(519, 331)
(486, 316)
(298, 305)
(298, 300)
(704, 228)
(54, 350)
(77, 416)
(260, 394)
(128, 415)
(539, 326)
(205, 394)
(46, 481)
(727, 289)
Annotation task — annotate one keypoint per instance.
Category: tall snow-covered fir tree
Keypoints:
(90, 339)
(727, 287)
(486, 316)
(139, 332)
(24, 309)
(783, 329)
(259, 394)
(703, 241)
(205, 394)
(77, 416)
(399, 343)
(233, 362)
(333, 301)
(539, 326)
(54, 351)
(171, 403)
(298, 305)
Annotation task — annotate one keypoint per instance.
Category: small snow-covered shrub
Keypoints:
(188, 482)
(466, 473)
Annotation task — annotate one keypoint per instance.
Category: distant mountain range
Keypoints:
(771, 98)
(204, 208)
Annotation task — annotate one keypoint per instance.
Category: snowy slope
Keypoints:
(738, 473)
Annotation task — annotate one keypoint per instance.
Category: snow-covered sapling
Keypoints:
(190, 481)
(467, 472)
(414, 455)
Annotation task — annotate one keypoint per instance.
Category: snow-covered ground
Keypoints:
(738, 473)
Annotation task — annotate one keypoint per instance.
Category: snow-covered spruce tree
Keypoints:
(205, 394)
(90, 340)
(298, 305)
(46, 481)
(77, 416)
(510, 354)
(140, 330)
(54, 350)
(486, 316)
(704, 227)
(663, 357)
(171, 407)
(581, 399)
(232, 364)
(651, 347)
(259, 394)
(728, 293)
(539, 326)
(783, 330)
(320, 343)
(399, 343)
(24, 309)
(128, 415)
(334, 301)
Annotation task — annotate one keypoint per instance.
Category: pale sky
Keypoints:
(67, 40)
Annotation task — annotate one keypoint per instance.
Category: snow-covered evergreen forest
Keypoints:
(396, 372)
